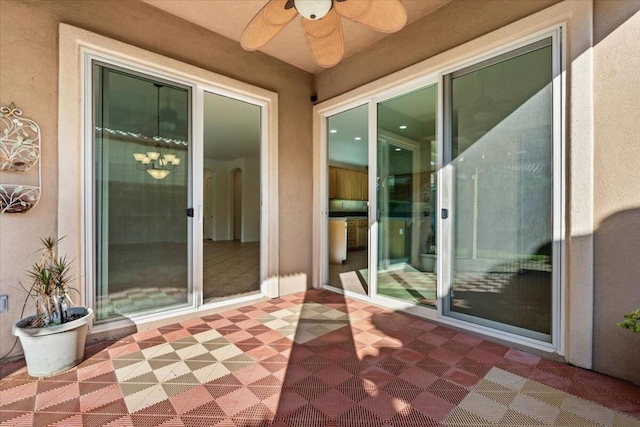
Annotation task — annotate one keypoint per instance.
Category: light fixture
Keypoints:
(154, 162)
(403, 127)
(333, 131)
(313, 9)
(398, 149)
(357, 138)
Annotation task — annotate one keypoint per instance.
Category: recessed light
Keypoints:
(398, 149)
(357, 138)
(333, 131)
(403, 127)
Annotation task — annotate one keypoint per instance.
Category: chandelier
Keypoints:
(156, 164)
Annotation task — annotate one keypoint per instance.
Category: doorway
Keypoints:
(232, 147)
(348, 201)
(466, 195)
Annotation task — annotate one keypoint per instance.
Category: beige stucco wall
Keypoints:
(29, 77)
(617, 185)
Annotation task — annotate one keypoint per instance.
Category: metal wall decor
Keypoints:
(19, 152)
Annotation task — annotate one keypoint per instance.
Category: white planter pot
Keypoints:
(56, 348)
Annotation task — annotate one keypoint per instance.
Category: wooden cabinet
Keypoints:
(364, 185)
(352, 233)
(355, 179)
(348, 184)
(332, 183)
(343, 184)
(362, 235)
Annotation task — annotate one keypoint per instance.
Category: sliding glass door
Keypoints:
(407, 194)
(468, 200)
(500, 146)
(142, 192)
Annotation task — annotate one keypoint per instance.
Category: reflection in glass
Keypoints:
(407, 171)
(141, 223)
(348, 228)
(502, 221)
(231, 218)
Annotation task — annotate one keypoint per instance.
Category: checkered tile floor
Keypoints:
(314, 359)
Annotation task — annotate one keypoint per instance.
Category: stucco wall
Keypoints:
(449, 26)
(617, 185)
(29, 77)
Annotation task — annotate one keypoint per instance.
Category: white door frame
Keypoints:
(421, 75)
(75, 169)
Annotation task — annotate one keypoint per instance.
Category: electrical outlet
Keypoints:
(4, 303)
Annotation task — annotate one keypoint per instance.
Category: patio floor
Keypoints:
(314, 359)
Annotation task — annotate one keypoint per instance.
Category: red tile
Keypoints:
(549, 379)
(461, 378)
(522, 357)
(333, 403)
(445, 356)
(383, 405)
(432, 406)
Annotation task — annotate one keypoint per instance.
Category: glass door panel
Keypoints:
(141, 151)
(231, 222)
(348, 227)
(501, 158)
(407, 196)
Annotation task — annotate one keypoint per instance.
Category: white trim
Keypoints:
(75, 168)
(573, 328)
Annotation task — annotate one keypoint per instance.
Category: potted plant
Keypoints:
(631, 321)
(53, 339)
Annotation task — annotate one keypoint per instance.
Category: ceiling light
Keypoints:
(398, 149)
(333, 131)
(313, 9)
(357, 138)
(403, 127)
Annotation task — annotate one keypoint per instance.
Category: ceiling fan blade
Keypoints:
(325, 39)
(386, 16)
(271, 19)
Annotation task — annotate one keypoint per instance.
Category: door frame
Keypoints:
(506, 39)
(78, 48)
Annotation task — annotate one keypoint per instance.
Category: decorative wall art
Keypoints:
(19, 152)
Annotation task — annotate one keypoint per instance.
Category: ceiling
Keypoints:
(230, 17)
(408, 117)
(231, 128)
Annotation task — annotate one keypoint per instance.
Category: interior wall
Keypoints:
(29, 77)
(448, 27)
(617, 183)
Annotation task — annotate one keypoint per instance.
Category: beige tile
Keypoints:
(588, 410)
(622, 420)
(535, 408)
(483, 407)
(506, 379)
(569, 419)
(462, 417)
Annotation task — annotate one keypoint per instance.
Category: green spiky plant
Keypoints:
(631, 321)
(50, 286)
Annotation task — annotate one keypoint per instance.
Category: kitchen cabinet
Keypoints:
(332, 183)
(365, 186)
(355, 179)
(352, 233)
(362, 233)
(348, 184)
(343, 184)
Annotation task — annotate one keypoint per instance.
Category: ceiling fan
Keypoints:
(321, 23)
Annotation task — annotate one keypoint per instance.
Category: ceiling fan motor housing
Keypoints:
(313, 9)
